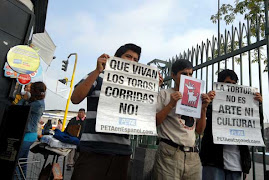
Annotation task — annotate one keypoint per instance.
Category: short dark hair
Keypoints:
(180, 65)
(81, 109)
(127, 47)
(227, 73)
(38, 90)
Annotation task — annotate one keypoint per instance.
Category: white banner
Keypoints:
(127, 103)
(44, 45)
(235, 115)
(191, 102)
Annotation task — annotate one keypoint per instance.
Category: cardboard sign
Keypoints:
(127, 103)
(235, 115)
(191, 103)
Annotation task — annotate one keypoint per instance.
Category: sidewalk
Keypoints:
(34, 168)
(258, 172)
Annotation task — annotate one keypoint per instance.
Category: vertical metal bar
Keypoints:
(249, 54)
(218, 34)
(225, 46)
(201, 74)
(250, 84)
(253, 163)
(201, 62)
(260, 86)
(196, 59)
(267, 50)
(207, 48)
(64, 165)
(240, 45)
(267, 33)
(206, 79)
(232, 46)
(169, 72)
(213, 52)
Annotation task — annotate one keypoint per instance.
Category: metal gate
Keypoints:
(243, 49)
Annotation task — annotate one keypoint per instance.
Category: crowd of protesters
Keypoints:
(107, 155)
(177, 156)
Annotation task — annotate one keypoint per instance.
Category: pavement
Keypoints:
(258, 172)
(37, 161)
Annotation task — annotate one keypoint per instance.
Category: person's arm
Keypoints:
(201, 123)
(83, 88)
(160, 79)
(81, 91)
(258, 97)
(161, 115)
(21, 102)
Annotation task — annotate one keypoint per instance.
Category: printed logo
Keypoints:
(24, 79)
(127, 121)
(187, 122)
(236, 132)
(17, 61)
(191, 93)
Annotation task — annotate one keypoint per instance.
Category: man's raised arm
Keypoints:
(81, 91)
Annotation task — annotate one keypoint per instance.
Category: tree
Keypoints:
(253, 10)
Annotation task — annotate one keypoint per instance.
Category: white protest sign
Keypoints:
(235, 115)
(191, 102)
(127, 103)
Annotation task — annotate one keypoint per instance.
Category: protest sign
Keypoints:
(127, 103)
(235, 115)
(191, 102)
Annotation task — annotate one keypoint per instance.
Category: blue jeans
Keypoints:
(213, 173)
(24, 151)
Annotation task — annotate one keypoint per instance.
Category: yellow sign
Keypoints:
(23, 59)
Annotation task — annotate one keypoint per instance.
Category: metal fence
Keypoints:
(243, 49)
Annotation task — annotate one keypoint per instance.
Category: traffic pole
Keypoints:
(70, 93)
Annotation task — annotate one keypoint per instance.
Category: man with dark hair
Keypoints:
(82, 109)
(177, 156)
(103, 155)
(223, 162)
(227, 73)
(127, 47)
(78, 120)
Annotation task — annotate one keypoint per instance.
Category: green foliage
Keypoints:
(253, 10)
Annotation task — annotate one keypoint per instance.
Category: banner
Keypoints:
(23, 79)
(235, 115)
(44, 45)
(191, 102)
(127, 103)
(8, 72)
